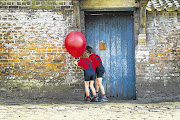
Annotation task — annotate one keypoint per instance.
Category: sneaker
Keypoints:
(103, 100)
(94, 99)
(87, 99)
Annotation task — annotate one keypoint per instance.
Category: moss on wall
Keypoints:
(20, 92)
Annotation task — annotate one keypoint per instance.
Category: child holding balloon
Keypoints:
(89, 75)
(99, 73)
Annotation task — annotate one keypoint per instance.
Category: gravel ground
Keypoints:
(79, 110)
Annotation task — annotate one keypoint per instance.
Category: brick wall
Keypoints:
(34, 63)
(32, 52)
(158, 61)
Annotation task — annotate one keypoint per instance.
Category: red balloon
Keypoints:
(75, 43)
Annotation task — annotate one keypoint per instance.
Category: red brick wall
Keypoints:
(32, 45)
(32, 51)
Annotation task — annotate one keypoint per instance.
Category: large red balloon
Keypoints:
(75, 43)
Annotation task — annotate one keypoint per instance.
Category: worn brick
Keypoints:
(46, 60)
(24, 61)
(51, 67)
(52, 48)
(32, 47)
(162, 43)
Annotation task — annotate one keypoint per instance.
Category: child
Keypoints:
(99, 72)
(89, 75)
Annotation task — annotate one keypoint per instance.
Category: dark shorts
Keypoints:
(89, 74)
(100, 71)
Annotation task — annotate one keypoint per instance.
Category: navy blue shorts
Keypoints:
(89, 74)
(100, 71)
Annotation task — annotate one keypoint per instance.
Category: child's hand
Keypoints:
(76, 62)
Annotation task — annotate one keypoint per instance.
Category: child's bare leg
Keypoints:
(92, 87)
(86, 85)
(104, 98)
(96, 86)
(99, 81)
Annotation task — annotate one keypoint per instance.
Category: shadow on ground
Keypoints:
(16, 101)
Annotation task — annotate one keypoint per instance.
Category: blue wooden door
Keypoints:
(114, 30)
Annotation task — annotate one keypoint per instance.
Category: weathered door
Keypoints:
(111, 34)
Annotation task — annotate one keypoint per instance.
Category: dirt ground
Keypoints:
(79, 110)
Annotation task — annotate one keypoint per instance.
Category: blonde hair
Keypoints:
(86, 54)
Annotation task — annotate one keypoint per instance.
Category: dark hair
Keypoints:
(89, 49)
(86, 54)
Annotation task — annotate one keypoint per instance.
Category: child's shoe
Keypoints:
(103, 100)
(94, 99)
(87, 99)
